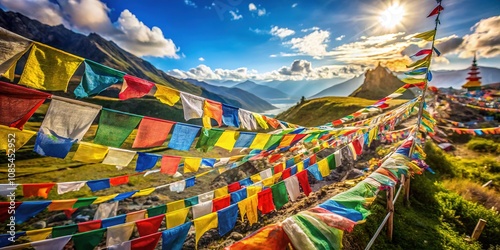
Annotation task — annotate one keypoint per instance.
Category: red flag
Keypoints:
(119, 180)
(169, 164)
(89, 225)
(233, 187)
(145, 243)
(134, 87)
(150, 225)
(37, 190)
(423, 52)
(436, 10)
(266, 204)
(221, 202)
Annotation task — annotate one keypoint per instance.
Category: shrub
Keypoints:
(483, 145)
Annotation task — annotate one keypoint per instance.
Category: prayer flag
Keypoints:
(167, 95)
(118, 234)
(203, 224)
(152, 132)
(211, 109)
(21, 138)
(260, 141)
(227, 219)
(266, 204)
(157, 210)
(48, 68)
(247, 119)
(51, 244)
(89, 226)
(191, 164)
(208, 138)
(12, 47)
(149, 225)
(176, 218)
(88, 240)
(134, 87)
(37, 190)
(114, 127)
(173, 239)
(260, 120)
(146, 161)
(39, 234)
(61, 205)
(230, 116)
(436, 10)
(183, 136)
(202, 208)
(245, 139)
(90, 153)
(169, 164)
(228, 139)
(192, 106)
(221, 202)
(146, 242)
(219, 192)
(279, 193)
(29, 209)
(119, 157)
(97, 77)
(135, 216)
(52, 145)
(428, 35)
(270, 237)
(18, 103)
(96, 185)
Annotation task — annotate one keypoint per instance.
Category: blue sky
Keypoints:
(279, 39)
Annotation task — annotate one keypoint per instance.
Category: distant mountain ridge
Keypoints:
(263, 91)
(244, 98)
(456, 78)
(342, 89)
(98, 49)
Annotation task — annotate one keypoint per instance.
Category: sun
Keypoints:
(392, 16)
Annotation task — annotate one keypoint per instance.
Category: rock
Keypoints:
(354, 173)
(82, 218)
(155, 198)
(139, 200)
(236, 236)
(148, 202)
(57, 218)
(39, 225)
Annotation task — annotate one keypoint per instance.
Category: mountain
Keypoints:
(263, 91)
(296, 89)
(342, 89)
(456, 78)
(378, 83)
(98, 49)
(244, 99)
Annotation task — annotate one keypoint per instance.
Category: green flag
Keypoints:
(280, 195)
(88, 240)
(115, 127)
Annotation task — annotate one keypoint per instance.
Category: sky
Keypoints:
(218, 40)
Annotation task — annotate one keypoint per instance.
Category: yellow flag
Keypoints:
(428, 35)
(176, 205)
(260, 141)
(255, 178)
(227, 139)
(203, 224)
(287, 140)
(252, 209)
(167, 95)
(176, 218)
(192, 164)
(48, 68)
(412, 80)
(11, 72)
(323, 167)
(102, 199)
(40, 234)
(90, 152)
(219, 192)
(260, 120)
(252, 190)
(300, 166)
(21, 137)
(268, 182)
(207, 123)
(144, 192)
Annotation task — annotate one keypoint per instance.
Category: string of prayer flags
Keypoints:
(247, 120)
(134, 87)
(12, 47)
(152, 132)
(96, 78)
(174, 238)
(18, 104)
(167, 95)
(119, 157)
(192, 106)
(90, 153)
(114, 127)
(183, 136)
(230, 116)
(21, 138)
(52, 145)
(48, 68)
(146, 161)
(69, 120)
(428, 35)
(212, 109)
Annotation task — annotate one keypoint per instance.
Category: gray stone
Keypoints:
(57, 217)
(236, 236)
(355, 173)
(40, 224)
(155, 198)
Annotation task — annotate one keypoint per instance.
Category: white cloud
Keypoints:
(235, 16)
(313, 44)
(46, 11)
(201, 59)
(310, 29)
(484, 40)
(88, 16)
(190, 3)
(294, 5)
(252, 7)
(281, 32)
(298, 70)
(340, 38)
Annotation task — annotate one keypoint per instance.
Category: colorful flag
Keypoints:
(114, 127)
(192, 106)
(436, 10)
(90, 153)
(183, 136)
(428, 35)
(12, 47)
(230, 116)
(212, 109)
(48, 68)
(152, 132)
(97, 77)
(134, 87)
(167, 95)
(169, 164)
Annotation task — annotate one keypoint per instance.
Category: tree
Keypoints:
(302, 100)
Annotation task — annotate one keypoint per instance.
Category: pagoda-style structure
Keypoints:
(473, 80)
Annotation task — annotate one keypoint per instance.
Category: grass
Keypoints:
(479, 144)
(319, 111)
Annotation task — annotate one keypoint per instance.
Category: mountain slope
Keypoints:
(306, 88)
(96, 48)
(263, 91)
(342, 89)
(243, 98)
(379, 83)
